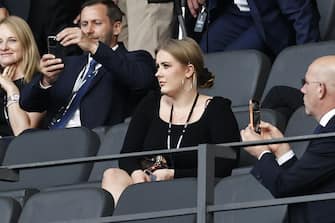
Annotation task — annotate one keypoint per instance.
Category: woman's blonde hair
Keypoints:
(187, 51)
(30, 55)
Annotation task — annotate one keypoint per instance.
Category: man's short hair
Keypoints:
(113, 11)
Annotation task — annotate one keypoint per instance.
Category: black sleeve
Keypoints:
(134, 69)
(137, 131)
(221, 128)
(298, 177)
(33, 98)
(2, 4)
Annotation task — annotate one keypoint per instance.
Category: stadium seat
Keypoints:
(4, 141)
(111, 144)
(159, 196)
(244, 188)
(50, 145)
(63, 205)
(239, 75)
(291, 64)
(300, 124)
(9, 210)
(327, 21)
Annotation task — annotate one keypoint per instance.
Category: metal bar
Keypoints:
(205, 183)
(271, 202)
(164, 151)
(136, 217)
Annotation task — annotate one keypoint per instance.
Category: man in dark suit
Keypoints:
(279, 170)
(44, 17)
(268, 26)
(96, 88)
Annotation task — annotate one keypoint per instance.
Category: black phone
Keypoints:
(54, 47)
(255, 115)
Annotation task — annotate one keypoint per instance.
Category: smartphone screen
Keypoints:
(54, 47)
(255, 115)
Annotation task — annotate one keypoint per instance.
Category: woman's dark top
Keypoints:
(148, 132)
(5, 129)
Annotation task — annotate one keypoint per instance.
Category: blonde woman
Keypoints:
(19, 60)
(177, 116)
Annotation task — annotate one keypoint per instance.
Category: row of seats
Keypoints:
(90, 203)
(245, 74)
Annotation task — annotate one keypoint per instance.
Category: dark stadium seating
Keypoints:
(327, 21)
(300, 124)
(239, 75)
(111, 143)
(157, 196)
(9, 210)
(243, 188)
(4, 141)
(61, 205)
(291, 64)
(47, 146)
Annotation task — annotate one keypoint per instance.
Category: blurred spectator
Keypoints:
(148, 23)
(279, 170)
(177, 117)
(44, 17)
(19, 59)
(268, 26)
(95, 88)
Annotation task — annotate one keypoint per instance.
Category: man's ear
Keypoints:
(189, 70)
(117, 27)
(322, 90)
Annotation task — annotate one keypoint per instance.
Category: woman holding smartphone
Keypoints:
(177, 116)
(19, 60)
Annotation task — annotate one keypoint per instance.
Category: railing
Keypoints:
(205, 186)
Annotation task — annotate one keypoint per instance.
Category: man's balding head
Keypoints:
(319, 87)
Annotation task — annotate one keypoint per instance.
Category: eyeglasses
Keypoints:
(303, 82)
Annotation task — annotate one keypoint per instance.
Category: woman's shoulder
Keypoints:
(218, 102)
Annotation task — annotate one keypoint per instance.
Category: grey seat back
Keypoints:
(158, 196)
(72, 204)
(244, 188)
(327, 20)
(9, 210)
(111, 143)
(291, 64)
(300, 124)
(51, 145)
(239, 75)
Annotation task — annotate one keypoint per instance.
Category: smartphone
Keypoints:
(255, 115)
(54, 47)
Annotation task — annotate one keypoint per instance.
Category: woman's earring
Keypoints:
(182, 82)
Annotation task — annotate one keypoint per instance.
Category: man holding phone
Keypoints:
(93, 89)
(279, 170)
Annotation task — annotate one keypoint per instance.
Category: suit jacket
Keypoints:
(281, 22)
(108, 100)
(313, 173)
(44, 17)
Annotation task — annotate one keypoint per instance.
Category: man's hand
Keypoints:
(248, 134)
(164, 174)
(74, 36)
(195, 6)
(3, 13)
(138, 176)
(50, 67)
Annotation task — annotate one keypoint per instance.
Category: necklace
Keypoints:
(185, 125)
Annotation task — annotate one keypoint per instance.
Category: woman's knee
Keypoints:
(116, 175)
